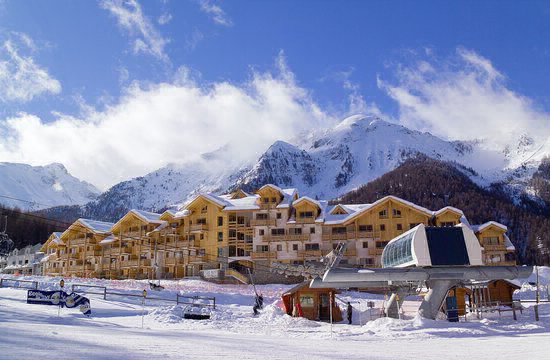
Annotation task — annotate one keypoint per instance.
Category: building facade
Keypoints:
(241, 231)
(25, 261)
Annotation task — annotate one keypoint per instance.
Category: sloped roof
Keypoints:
(308, 199)
(478, 228)
(99, 227)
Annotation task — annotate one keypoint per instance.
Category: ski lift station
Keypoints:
(438, 259)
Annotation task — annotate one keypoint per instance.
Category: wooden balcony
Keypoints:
(174, 261)
(335, 236)
(368, 234)
(350, 252)
(263, 222)
(198, 227)
(79, 241)
(310, 253)
(93, 253)
(135, 263)
(287, 237)
(127, 250)
(264, 255)
(74, 255)
(376, 251)
(499, 247)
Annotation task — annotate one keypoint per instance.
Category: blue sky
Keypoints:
(76, 68)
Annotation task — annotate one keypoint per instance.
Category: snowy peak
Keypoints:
(42, 186)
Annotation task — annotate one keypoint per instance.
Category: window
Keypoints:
(220, 236)
(279, 247)
(295, 231)
(362, 228)
(382, 227)
(339, 230)
(261, 232)
(306, 301)
(273, 200)
(201, 221)
(413, 225)
(365, 244)
(240, 220)
(334, 246)
(383, 214)
(265, 200)
(240, 236)
(232, 218)
(262, 248)
(305, 214)
(220, 221)
(204, 209)
(448, 223)
(399, 226)
(294, 247)
(261, 216)
(312, 230)
(248, 239)
(492, 240)
(312, 246)
(232, 251)
(277, 232)
(202, 236)
(278, 215)
(232, 233)
(381, 244)
(399, 251)
(396, 213)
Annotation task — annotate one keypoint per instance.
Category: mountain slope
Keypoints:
(42, 186)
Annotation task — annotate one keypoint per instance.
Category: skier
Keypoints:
(259, 304)
(350, 312)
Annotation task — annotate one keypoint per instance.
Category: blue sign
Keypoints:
(59, 298)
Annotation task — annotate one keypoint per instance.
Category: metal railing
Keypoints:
(17, 284)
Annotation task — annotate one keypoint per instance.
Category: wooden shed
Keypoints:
(485, 293)
(312, 304)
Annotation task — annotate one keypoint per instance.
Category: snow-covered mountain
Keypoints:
(325, 163)
(42, 186)
(356, 151)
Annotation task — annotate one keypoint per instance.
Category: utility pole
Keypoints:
(537, 296)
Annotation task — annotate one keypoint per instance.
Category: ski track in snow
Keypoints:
(114, 331)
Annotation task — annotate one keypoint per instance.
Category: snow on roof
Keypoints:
(288, 197)
(508, 243)
(307, 198)
(109, 239)
(246, 203)
(450, 208)
(271, 186)
(147, 216)
(96, 226)
(181, 213)
(478, 228)
(211, 197)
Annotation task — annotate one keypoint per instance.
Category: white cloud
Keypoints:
(21, 79)
(146, 38)
(168, 122)
(464, 97)
(193, 39)
(165, 18)
(216, 12)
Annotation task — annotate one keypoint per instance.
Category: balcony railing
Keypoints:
(310, 253)
(74, 255)
(264, 255)
(199, 227)
(499, 247)
(263, 222)
(286, 237)
(79, 241)
(93, 253)
(376, 251)
(174, 261)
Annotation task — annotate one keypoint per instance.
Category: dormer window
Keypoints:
(204, 209)
(306, 214)
(273, 200)
(266, 200)
(383, 214)
(396, 213)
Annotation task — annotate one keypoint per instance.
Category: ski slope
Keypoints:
(115, 329)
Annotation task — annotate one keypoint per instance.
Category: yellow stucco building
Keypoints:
(237, 231)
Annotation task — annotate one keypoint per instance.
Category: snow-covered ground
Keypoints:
(115, 329)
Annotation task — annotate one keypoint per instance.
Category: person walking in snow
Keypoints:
(350, 312)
